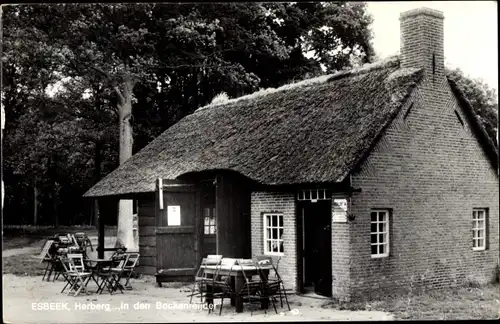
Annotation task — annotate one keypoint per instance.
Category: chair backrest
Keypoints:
(120, 260)
(131, 261)
(213, 258)
(76, 262)
(226, 263)
(66, 264)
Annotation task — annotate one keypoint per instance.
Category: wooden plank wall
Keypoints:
(147, 236)
(233, 216)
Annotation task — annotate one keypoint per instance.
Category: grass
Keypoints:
(23, 265)
(459, 303)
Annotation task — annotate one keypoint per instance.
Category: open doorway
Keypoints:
(316, 246)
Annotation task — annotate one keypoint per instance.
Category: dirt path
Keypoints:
(26, 298)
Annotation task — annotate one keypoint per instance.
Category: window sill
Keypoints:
(479, 249)
(274, 253)
(379, 256)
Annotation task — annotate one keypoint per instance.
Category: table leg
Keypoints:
(233, 287)
(209, 299)
(264, 303)
(238, 284)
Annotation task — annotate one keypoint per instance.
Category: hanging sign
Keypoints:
(174, 215)
(339, 214)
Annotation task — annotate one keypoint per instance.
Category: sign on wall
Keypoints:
(339, 214)
(174, 215)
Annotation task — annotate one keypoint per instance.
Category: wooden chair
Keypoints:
(201, 277)
(220, 285)
(76, 271)
(273, 284)
(252, 290)
(128, 269)
(108, 275)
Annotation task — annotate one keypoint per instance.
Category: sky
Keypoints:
(470, 33)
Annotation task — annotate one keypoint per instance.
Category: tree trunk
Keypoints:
(125, 234)
(35, 202)
(97, 171)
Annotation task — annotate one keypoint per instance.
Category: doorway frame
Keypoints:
(301, 240)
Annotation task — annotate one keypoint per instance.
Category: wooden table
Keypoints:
(237, 280)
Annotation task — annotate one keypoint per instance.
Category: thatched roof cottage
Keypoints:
(360, 182)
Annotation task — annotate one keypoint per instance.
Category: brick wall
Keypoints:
(276, 202)
(341, 263)
(431, 170)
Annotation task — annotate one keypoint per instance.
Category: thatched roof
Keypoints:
(313, 131)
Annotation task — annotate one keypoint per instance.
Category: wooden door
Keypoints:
(178, 228)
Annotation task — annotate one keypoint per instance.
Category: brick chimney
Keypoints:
(422, 41)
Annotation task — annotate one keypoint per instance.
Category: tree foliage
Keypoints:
(483, 99)
(68, 68)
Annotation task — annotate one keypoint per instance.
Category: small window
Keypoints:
(273, 234)
(209, 221)
(135, 207)
(479, 216)
(314, 195)
(379, 233)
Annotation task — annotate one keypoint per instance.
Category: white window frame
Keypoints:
(279, 240)
(479, 214)
(387, 232)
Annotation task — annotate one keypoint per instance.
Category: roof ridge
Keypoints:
(391, 61)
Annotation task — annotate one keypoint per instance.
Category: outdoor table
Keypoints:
(237, 280)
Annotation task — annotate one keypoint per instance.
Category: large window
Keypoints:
(379, 233)
(479, 229)
(209, 217)
(273, 234)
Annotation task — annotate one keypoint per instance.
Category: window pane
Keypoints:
(268, 220)
(280, 220)
(281, 247)
(480, 224)
(206, 212)
(381, 238)
(480, 214)
(275, 220)
(480, 243)
(207, 221)
(269, 246)
(212, 230)
(381, 249)
(381, 216)
(281, 233)
(474, 214)
(206, 230)
(374, 249)
(213, 212)
(275, 245)
(374, 216)
(314, 194)
(374, 238)
(480, 234)
(381, 227)
(374, 227)
(275, 233)
(474, 243)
